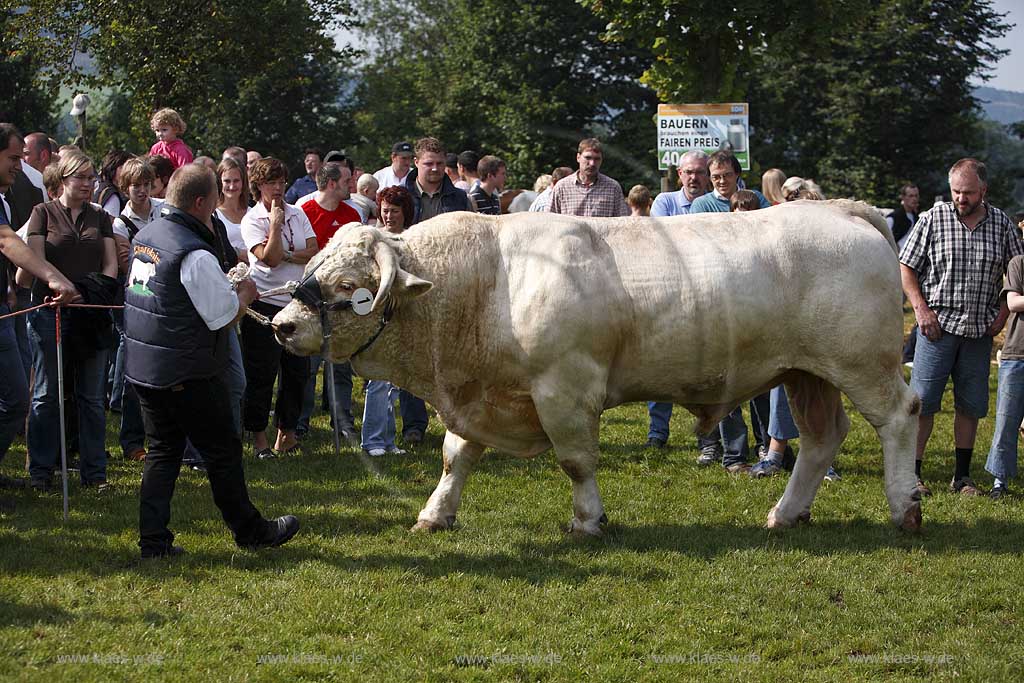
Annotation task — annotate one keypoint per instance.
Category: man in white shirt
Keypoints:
(179, 307)
(401, 163)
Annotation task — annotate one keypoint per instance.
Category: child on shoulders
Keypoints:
(169, 126)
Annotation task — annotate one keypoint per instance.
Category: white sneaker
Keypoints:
(395, 450)
(375, 452)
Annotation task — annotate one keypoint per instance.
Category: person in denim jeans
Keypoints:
(77, 238)
(14, 403)
(395, 208)
(952, 267)
(693, 181)
(342, 393)
(1002, 456)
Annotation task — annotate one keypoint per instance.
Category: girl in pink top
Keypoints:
(168, 125)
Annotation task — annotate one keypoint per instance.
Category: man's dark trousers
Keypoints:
(199, 410)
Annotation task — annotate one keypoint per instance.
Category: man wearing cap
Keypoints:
(401, 163)
(313, 160)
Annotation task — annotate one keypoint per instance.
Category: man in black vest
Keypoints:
(179, 310)
(900, 221)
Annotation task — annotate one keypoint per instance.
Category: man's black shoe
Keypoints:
(166, 551)
(413, 437)
(654, 442)
(280, 532)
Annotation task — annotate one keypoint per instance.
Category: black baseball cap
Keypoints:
(401, 148)
(334, 155)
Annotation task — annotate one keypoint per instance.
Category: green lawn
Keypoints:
(685, 585)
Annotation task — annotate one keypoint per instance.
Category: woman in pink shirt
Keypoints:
(168, 126)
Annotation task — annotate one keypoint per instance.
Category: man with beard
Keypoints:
(952, 267)
(588, 192)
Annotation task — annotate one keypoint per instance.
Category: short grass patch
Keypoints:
(686, 584)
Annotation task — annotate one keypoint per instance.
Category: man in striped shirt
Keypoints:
(952, 267)
(588, 192)
(485, 195)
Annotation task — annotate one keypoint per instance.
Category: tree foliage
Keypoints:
(521, 79)
(265, 75)
(25, 100)
(859, 94)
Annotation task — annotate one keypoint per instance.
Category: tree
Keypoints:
(859, 95)
(265, 74)
(24, 100)
(524, 80)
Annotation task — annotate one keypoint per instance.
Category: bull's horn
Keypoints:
(387, 262)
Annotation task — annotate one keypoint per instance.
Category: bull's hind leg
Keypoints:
(460, 456)
(818, 410)
(893, 409)
(570, 413)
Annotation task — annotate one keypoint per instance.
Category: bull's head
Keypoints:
(354, 260)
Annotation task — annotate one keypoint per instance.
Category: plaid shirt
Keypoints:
(961, 270)
(603, 198)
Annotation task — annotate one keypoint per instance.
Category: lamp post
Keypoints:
(79, 105)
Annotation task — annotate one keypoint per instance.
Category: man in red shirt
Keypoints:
(327, 210)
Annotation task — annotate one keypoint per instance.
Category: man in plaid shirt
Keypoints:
(588, 192)
(952, 267)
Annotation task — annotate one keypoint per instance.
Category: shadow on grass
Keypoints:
(22, 614)
(829, 538)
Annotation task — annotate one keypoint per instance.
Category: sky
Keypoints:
(1008, 73)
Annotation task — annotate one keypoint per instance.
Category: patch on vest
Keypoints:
(143, 268)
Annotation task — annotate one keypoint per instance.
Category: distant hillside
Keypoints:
(1004, 106)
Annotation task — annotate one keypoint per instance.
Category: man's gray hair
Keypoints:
(971, 164)
(696, 155)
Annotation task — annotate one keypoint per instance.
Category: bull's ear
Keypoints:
(408, 286)
(368, 236)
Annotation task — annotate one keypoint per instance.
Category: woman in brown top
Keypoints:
(77, 238)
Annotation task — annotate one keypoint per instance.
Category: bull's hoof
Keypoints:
(804, 517)
(431, 526)
(584, 529)
(777, 521)
(912, 518)
(603, 520)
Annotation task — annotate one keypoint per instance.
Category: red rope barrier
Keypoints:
(51, 304)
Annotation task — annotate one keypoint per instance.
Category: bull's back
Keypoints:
(726, 299)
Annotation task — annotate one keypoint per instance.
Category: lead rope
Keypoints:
(241, 272)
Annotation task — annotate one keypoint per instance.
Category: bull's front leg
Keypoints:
(459, 456)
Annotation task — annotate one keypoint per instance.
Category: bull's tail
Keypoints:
(868, 213)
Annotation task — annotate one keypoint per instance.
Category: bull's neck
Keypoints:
(402, 352)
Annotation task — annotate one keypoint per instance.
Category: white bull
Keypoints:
(521, 330)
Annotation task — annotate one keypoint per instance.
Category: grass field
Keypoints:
(685, 585)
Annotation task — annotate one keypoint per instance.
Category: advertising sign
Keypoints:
(707, 127)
